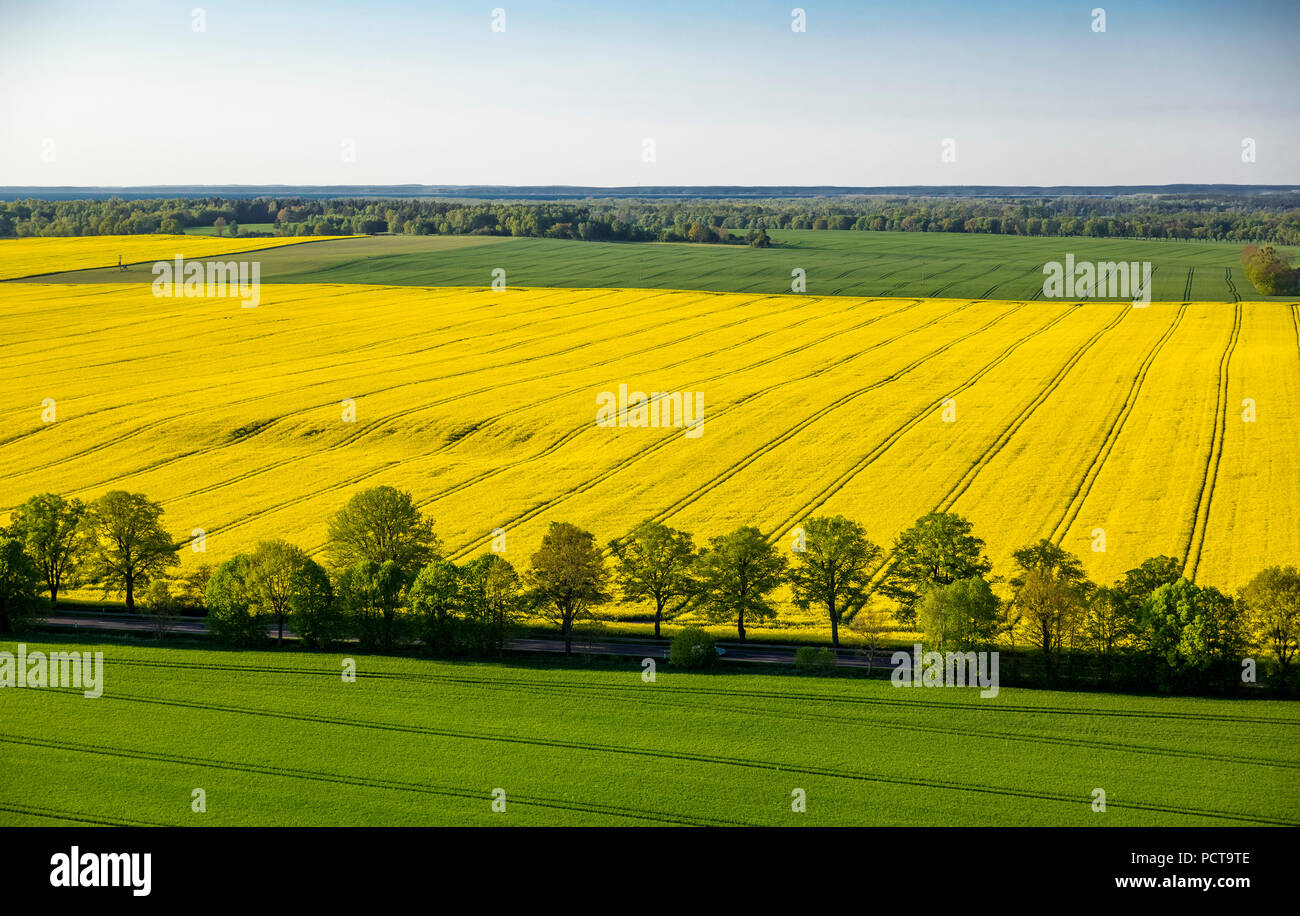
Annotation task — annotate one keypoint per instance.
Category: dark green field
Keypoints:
(905, 264)
(279, 738)
(247, 227)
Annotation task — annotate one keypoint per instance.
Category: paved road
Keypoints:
(733, 651)
(758, 653)
(128, 623)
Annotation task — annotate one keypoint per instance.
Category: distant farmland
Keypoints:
(35, 257)
(845, 263)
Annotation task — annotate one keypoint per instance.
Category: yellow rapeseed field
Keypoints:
(29, 257)
(1166, 429)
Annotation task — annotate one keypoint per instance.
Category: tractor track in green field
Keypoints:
(689, 757)
(1187, 289)
(971, 278)
(938, 292)
(371, 782)
(671, 699)
(712, 691)
(989, 292)
(77, 817)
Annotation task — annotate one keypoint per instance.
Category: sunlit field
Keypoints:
(281, 739)
(1097, 425)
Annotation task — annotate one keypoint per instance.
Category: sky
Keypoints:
(377, 92)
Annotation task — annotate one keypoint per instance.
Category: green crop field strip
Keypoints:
(837, 263)
(279, 738)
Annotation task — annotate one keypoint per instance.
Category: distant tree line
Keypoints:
(386, 584)
(1263, 218)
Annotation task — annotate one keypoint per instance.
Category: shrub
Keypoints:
(692, 648)
(812, 660)
(161, 606)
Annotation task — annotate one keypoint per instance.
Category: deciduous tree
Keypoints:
(1050, 610)
(567, 577)
(834, 569)
(655, 564)
(938, 549)
(382, 525)
(737, 573)
(1272, 603)
(49, 527)
(272, 568)
(961, 615)
(128, 546)
(19, 587)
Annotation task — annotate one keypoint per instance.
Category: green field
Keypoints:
(245, 227)
(908, 264)
(279, 738)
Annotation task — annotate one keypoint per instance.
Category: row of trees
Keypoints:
(386, 583)
(1265, 218)
(53, 543)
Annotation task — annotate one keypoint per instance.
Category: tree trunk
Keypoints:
(130, 595)
(835, 632)
(280, 638)
(740, 625)
(54, 595)
(568, 635)
(659, 613)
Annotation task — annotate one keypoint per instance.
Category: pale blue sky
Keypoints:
(130, 94)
